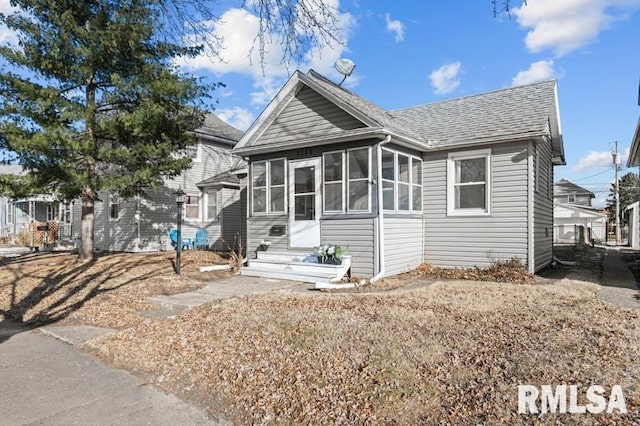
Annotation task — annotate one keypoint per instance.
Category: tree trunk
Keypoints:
(86, 243)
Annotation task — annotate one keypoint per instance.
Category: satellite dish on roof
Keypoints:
(345, 67)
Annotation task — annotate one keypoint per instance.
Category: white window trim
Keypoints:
(267, 187)
(205, 205)
(569, 198)
(342, 183)
(396, 170)
(198, 157)
(368, 179)
(200, 200)
(111, 202)
(467, 155)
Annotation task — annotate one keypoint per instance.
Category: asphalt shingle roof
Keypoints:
(214, 126)
(516, 111)
(564, 186)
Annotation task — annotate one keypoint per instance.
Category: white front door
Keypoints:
(304, 203)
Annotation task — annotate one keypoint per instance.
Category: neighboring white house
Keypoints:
(572, 209)
(568, 217)
(634, 209)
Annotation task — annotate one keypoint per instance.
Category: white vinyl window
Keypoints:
(192, 207)
(401, 182)
(52, 212)
(114, 206)
(359, 176)
(571, 198)
(333, 178)
(211, 205)
(268, 186)
(469, 183)
(9, 207)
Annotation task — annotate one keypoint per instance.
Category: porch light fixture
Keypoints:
(180, 199)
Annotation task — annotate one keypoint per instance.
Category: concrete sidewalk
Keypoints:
(226, 288)
(47, 381)
(618, 283)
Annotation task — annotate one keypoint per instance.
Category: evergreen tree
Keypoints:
(629, 191)
(90, 101)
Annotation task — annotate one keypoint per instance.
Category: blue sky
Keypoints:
(410, 53)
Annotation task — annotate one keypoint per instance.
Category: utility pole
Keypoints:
(616, 164)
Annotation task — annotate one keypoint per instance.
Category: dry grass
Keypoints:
(451, 353)
(110, 291)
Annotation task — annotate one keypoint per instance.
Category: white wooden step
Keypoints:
(293, 266)
(285, 255)
(286, 275)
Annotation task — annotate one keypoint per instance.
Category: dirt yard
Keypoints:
(452, 352)
(110, 291)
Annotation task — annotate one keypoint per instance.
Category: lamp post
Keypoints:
(180, 198)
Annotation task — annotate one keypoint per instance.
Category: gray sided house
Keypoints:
(567, 192)
(458, 183)
(213, 187)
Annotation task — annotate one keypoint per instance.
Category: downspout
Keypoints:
(379, 240)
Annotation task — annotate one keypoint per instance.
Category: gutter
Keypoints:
(380, 239)
(354, 135)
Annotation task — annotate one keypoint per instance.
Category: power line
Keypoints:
(597, 174)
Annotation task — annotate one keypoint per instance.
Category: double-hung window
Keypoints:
(268, 186)
(52, 212)
(192, 207)
(468, 187)
(114, 206)
(401, 182)
(9, 207)
(211, 203)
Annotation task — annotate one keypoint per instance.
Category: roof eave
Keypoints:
(315, 141)
(634, 158)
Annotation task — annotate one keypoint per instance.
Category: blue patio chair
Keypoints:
(202, 239)
(186, 242)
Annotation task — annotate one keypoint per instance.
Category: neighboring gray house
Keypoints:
(215, 201)
(567, 192)
(457, 183)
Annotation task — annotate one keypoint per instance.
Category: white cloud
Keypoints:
(7, 36)
(445, 79)
(240, 118)
(567, 25)
(396, 27)
(537, 71)
(598, 160)
(239, 51)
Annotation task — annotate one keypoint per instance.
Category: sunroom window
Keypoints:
(348, 191)
(268, 186)
(469, 184)
(333, 178)
(359, 161)
(401, 182)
